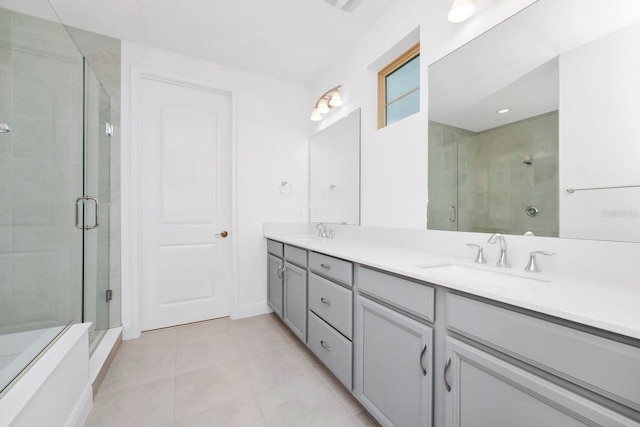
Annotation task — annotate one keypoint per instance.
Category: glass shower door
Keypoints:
(40, 178)
(96, 206)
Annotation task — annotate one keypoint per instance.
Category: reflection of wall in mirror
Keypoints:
(334, 181)
(600, 112)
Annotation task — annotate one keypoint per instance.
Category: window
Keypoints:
(399, 88)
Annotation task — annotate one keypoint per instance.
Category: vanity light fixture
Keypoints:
(330, 99)
(503, 110)
(461, 10)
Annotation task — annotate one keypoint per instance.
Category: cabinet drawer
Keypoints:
(414, 297)
(334, 268)
(331, 302)
(295, 255)
(332, 349)
(602, 365)
(275, 248)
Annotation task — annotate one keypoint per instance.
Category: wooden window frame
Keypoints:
(399, 62)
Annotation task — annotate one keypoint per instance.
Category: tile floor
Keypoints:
(249, 372)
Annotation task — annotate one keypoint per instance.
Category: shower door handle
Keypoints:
(453, 214)
(96, 215)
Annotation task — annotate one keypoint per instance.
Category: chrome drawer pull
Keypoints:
(278, 272)
(325, 301)
(327, 266)
(325, 346)
(446, 368)
(424, 350)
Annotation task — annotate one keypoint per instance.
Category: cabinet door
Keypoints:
(295, 299)
(487, 391)
(274, 284)
(393, 363)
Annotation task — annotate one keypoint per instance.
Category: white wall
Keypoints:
(394, 159)
(586, 123)
(270, 145)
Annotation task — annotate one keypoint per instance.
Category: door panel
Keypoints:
(295, 299)
(393, 365)
(191, 267)
(185, 203)
(189, 147)
(275, 284)
(487, 391)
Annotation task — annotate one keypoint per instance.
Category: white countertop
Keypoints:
(610, 306)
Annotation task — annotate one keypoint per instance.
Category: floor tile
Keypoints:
(197, 332)
(147, 405)
(307, 354)
(306, 401)
(195, 354)
(276, 367)
(260, 340)
(352, 421)
(160, 341)
(243, 412)
(131, 371)
(345, 397)
(207, 388)
(248, 372)
(365, 420)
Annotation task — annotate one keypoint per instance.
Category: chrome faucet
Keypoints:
(322, 230)
(533, 266)
(503, 261)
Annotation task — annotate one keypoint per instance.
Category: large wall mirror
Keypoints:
(334, 169)
(533, 125)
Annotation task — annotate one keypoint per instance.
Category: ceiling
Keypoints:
(292, 40)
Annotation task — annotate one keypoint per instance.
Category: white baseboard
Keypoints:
(250, 310)
(82, 408)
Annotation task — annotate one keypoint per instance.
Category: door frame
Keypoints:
(131, 231)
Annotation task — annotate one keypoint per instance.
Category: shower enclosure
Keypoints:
(54, 187)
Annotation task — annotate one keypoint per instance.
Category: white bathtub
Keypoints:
(19, 349)
(56, 390)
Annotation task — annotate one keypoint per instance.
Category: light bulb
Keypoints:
(316, 116)
(323, 106)
(336, 99)
(461, 10)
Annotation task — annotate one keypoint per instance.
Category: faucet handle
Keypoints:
(532, 266)
(480, 259)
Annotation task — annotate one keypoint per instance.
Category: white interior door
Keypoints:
(185, 203)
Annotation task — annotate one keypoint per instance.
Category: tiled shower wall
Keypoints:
(499, 173)
(103, 55)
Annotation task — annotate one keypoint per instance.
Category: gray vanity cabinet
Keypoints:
(393, 365)
(482, 390)
(295, 299)
(275, 284)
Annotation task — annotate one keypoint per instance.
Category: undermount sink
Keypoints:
(487, 274)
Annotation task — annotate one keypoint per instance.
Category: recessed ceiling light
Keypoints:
(503, 110)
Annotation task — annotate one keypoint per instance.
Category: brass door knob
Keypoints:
(222, 234)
